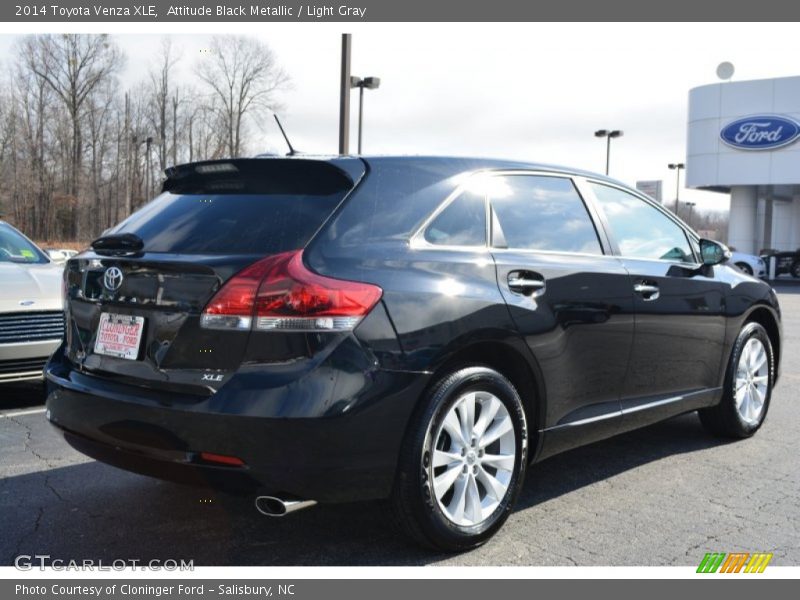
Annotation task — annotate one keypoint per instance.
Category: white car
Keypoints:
(57, 256)
(60, 255)
(752, 265)
(31, 307)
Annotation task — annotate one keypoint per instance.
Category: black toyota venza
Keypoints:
(420, 329)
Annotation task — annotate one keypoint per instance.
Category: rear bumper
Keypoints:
(340, 457)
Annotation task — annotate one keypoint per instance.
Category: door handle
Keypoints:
(649, 291)
(524, 283)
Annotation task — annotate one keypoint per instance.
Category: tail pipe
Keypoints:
(272, 506)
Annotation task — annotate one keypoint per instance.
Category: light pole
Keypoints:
(370, 83)
(344, 95)
(691, 205)
(608, 134)
(677, 168)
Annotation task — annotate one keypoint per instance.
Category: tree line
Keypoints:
(711, 223)
(79, 151)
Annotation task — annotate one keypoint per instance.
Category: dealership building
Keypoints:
(744, 139)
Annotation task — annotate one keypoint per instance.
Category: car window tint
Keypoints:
(641, 230)
(230, 223)
(461, 223)
(543, 213)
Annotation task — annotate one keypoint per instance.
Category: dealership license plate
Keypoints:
(119, 335)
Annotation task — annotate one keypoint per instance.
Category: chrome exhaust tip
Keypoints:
(272, 506)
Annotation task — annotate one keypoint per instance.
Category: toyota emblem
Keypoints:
(112, 279)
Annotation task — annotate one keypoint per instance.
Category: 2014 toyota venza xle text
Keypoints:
(420, 329)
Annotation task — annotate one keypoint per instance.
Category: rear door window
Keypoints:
(542, 213)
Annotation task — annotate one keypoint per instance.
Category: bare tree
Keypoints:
(31, 104)
(204, 130)
(75, 149)
(9, 150)
(243, 74)
(100, 118)
(140, 133)
(7, 136)
(161, 97)
(73, 65)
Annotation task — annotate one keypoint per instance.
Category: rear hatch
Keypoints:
(135, 301)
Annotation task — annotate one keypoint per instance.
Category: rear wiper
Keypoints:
(118, 244)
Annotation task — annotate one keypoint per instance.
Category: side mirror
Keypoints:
(713, 253)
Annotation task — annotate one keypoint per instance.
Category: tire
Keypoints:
(730, 418)
(744, 268)
(795, 270)
(443, 515)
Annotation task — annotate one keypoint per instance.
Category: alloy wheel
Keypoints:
(473, 458)
(752, 381)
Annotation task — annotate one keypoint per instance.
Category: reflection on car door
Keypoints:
(571, 302)
(679, 307)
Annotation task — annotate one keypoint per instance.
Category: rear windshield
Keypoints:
(266, 211)
(229, 224)
(15, 248)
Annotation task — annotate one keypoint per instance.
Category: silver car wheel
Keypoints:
(473, 458)
(752, 381)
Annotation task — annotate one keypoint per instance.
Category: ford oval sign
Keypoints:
(760, 132)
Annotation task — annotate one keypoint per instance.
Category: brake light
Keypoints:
(280, 294)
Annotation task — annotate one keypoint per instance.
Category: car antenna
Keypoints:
(292, 151)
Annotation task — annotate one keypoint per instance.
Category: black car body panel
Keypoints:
(323, 415)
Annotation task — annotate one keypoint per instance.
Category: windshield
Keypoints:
(14, 247)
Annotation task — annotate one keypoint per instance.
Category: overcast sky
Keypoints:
(525, 91)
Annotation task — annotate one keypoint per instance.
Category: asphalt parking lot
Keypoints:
(664, 495)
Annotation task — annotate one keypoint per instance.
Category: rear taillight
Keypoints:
(232, 306)
(280, 294)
